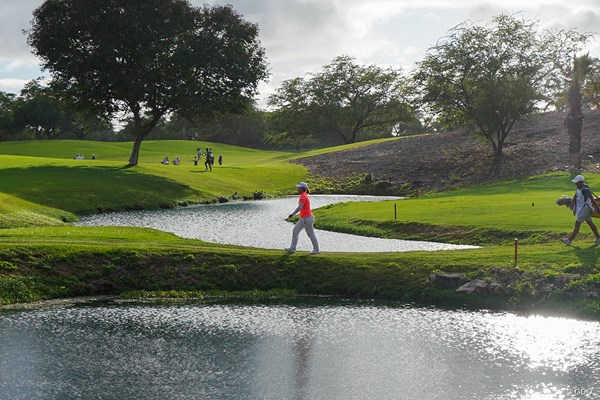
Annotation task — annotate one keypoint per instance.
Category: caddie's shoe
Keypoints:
(597, 241)
(566, 241)
(290, 250)
(314, 252)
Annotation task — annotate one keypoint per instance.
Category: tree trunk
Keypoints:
(574, 119)
(574, 124)
(497, 142)
(141, 130)
(135, 153)
(497, 163)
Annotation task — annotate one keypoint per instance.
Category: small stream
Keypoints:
(259, 224)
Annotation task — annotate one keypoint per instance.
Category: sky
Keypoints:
(301, 36)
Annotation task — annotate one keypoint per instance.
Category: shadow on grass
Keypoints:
(85, 190)
(588, 256)
(127, 166)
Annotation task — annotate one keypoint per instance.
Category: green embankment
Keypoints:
(495, 213)
(46, 173)
(41, 185)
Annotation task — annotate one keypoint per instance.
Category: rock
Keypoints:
(475, 286)
(590, 295)
(448, 281)
(496, 288)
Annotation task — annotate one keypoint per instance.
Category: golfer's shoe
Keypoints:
(567, 241)
(314, 252)
(290, 250)
(597, 241)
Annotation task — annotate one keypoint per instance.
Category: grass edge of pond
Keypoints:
(35, 272)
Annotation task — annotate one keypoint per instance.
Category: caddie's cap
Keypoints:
(302, 185)
(578, 178)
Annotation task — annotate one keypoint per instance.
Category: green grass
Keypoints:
(45, 173)
(42, 187)
(15, 212)
(493, 213)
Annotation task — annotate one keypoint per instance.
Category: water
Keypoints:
(329, 351)
(258, 224)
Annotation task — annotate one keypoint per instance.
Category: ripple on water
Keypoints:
(352, 351)
(257, 224)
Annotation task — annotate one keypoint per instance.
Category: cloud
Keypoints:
(301, 36)
(12, 85)
(16, 17)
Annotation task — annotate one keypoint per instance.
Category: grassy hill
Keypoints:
(41, 185)
(439, 162)
(45, 173)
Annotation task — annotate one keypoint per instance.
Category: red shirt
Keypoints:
(305, 210)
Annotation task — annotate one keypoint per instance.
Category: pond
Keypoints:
(259, 224)
(326, 349)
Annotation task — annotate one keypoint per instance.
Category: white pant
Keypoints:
(307, 224)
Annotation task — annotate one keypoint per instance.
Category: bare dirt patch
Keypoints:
(448, 160)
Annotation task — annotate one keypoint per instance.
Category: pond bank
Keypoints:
(45, 271)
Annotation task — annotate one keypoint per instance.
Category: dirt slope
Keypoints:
(446, 160)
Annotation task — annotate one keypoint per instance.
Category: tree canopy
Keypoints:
(488, 77)
(149, 58)
(346, 98)
(39, 109)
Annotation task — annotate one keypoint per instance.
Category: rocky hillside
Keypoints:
(447, 160)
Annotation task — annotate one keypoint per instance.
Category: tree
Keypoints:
(591, 91)
(7, 103)
(575, 85)
(38, 109)
(346, 98)
(576, 78)
(149, 58)
(247, 129)
(487, 78)
(295, 119)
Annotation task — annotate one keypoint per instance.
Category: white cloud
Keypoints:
(12, 85)
(300, 36)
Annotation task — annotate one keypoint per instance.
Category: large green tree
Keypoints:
(488, 77)
(346, 98)
(7, 103)
(38, 110)
(295, 120)
(149, 58)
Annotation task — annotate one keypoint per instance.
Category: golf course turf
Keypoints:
(42, 189)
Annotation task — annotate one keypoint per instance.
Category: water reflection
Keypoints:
(328, 351)
(257, 224)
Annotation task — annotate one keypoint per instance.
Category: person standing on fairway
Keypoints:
(583, 208)
(306, 221)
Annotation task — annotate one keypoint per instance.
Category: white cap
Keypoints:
(578, 178)
(302, 185)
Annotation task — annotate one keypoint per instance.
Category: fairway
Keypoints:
(44, 172)
(42, 189)
(520, 208)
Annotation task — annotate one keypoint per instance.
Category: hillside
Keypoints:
(455, 159)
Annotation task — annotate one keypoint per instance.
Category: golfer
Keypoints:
(583, 208)
(306, 221)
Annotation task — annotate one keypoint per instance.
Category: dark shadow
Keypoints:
(86, 189)
(588, 256)
(127, 166)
